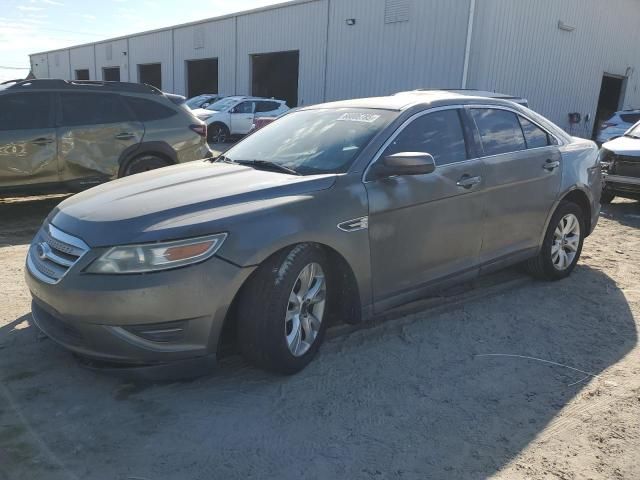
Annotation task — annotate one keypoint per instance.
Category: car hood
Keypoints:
(624, 146)
(181, 201)
(203, 112)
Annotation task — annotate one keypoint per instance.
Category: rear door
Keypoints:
(28, 148)
(242, 116)
(94, 131)
(426, 228)
(522, 180)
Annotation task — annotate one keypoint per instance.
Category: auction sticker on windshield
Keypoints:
(359, 117)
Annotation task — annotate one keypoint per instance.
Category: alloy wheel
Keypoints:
(305, 309)
(566, 241)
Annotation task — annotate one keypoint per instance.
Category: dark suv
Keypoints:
(58, 135)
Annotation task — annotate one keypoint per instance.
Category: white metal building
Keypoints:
(564, 56)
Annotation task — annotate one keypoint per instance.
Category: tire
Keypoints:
(218, 133)
(267, 315)
(144, 163)
(546, 265)
(607, 197)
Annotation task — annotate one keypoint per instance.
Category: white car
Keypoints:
(617, 125)
(236, 115)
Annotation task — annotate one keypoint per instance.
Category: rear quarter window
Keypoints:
(148, 110)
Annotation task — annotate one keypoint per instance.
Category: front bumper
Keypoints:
(621, 185)
(116, 318)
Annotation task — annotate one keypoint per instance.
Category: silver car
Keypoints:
(334, 212)
(617, 125)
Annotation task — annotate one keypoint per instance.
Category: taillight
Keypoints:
(200, 129)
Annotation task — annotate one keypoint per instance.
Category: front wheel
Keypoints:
(282, 310)
(562, 244)
(218, 133)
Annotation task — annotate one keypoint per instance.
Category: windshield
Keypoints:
(634, 131)
(313, 141)
(221, 105)
(195, 102)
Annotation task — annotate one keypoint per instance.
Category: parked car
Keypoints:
(335, 212)
(620, 159)
(66, 135)
(475, 93)
(617, 125)
(235, 115)
(203, 100)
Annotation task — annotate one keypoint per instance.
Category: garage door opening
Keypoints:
(202, 76)
(276, 75)
(111, 74)
(151, 74)
(610, 100)
(82, 74)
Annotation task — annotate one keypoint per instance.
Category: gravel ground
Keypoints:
(459, 387)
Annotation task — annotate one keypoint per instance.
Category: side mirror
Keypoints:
(405, 163)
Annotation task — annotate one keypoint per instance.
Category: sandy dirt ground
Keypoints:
(505, 378)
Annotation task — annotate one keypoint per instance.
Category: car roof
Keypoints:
(406, 100)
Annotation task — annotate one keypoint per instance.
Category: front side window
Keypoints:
(25, 111)
(244, 107)
(92, 109)
(314, 141)
(500, 131)
(439, 134)
(533, 134)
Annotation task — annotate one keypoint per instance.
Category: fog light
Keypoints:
(160, 332)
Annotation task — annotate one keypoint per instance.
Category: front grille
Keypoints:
(53, 253)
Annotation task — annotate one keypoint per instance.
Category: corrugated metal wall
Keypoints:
(152, 48)
(58, 62)
(208, 40)
(378, 56)
(394, 45)
(112, 54)
(82, 58)
(298, 27)
(518, 48)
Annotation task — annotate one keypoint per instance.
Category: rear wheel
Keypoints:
(218, 133)
(144, 163)
(282, 310)
(562, 244)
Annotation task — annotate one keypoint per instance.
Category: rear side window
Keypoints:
(92, 109)
(630, 117)
(439, 133)
(25, 111)
(499, 130)
(266, 106)
(148, 110)
(534, 135)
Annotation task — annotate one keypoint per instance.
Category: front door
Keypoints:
(426, 228)
(522, 181)
(28, 147)
(95, 129)
(242, 117)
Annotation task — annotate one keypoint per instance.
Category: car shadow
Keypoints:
(438, 393)
(626, 212)
(22, 217)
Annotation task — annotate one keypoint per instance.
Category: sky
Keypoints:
(31, 26)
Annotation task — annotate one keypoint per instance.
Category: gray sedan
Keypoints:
(333, 212)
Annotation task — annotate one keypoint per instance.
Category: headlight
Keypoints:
(151, 257)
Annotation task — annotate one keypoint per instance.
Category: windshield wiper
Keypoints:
(222, 158)
(266, 164)
(632, 136)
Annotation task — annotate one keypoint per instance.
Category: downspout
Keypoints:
(467, 50)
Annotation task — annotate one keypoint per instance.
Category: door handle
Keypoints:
(551, 165)
(468, 182)
(125, 136)
(42, 141)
